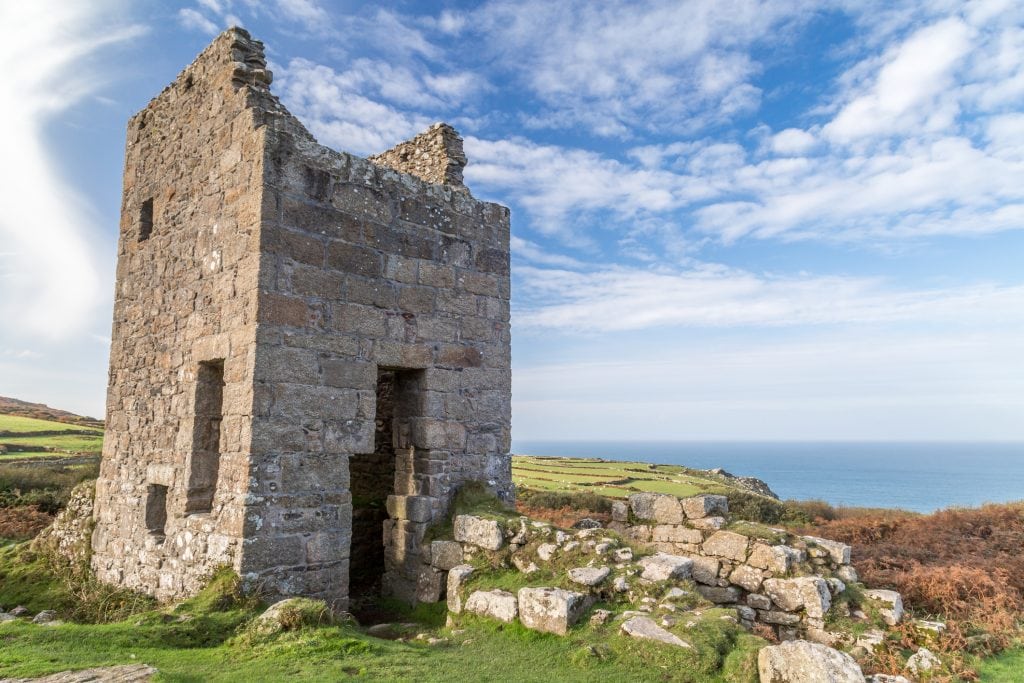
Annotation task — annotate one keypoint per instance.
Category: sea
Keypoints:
(917, 476)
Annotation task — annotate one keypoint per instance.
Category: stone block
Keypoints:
(445, 554)
(727, 544)
(496, 604)
(672, 533)
(656, 507)
(551, 610)
(838, 552)
(412, 508)
(663, 567)
(776, 559)
(620, 511)
(697, 507)
(719, 594)
(589, 576)
(430, 585)
(799, 661)
(809, 592)
(456, 577)
(483, 533)
(705, 570)
(746, 577)
(890, 604)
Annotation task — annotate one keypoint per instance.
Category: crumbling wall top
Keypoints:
(435, 156)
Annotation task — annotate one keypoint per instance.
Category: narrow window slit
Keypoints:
(204, 467)
(146, 220)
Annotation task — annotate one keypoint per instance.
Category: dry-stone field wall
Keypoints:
(301, 337)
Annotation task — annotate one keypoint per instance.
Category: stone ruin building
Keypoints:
(310, 350)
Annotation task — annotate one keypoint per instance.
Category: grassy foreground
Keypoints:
(214, 637)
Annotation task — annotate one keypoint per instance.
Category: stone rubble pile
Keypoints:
(665, 561)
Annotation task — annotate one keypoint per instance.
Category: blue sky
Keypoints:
(731, 219)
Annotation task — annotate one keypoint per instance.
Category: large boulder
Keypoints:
(497, 604)
(662, 567)
(800, 661)
(656, 507)
(552, 610)
(705, 570)
(483, 533)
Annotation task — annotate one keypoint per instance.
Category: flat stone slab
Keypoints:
(662, 567)
(891, 607)
(129, 673)
(644, 628)
(589, 576)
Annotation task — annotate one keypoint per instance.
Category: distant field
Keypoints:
(610, 479)
(15, 423)
(58, 438)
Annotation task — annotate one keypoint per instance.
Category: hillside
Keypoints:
(41, 411)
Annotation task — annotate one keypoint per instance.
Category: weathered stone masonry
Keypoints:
(269, 290)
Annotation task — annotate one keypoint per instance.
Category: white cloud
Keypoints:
(618, 298)
(191, 19)
(46, 56)
(910, 90)
(616, 67)
(306, 12)
(792, 141)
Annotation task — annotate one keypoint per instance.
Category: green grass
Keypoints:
(1006, 667)
(70, 443)
(14, 423)
(611, 479)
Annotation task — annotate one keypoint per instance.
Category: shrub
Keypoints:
(556, 500)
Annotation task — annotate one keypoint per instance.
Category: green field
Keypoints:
(611, 479)
(59, 438)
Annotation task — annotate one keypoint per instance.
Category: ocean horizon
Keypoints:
(912, 475)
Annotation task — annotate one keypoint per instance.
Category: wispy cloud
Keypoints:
(616, 298)
(47, 52)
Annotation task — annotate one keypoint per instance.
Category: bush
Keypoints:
(46, 487)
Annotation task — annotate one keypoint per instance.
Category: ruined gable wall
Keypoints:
(184, 295)
(435, 156)
(364, 267)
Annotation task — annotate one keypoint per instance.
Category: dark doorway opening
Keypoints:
(204, 468)
(372, 480)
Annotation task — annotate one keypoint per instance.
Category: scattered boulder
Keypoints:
(551, 610)
(644, 628)
(45, 617)
(600, 616)
(847, 573)
(497, 604)
(430, 584)
(662, 567)
(291, 614)
(546, 551)
(620, 511)
(923, 660)
(719, 594)
(890, 607)
(623, 555)
(589, 576)
(483, 533)
(800, 661)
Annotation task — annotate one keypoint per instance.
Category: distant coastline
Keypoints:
(918, 476)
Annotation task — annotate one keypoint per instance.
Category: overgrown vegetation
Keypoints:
(961, 566)
(44, 486)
